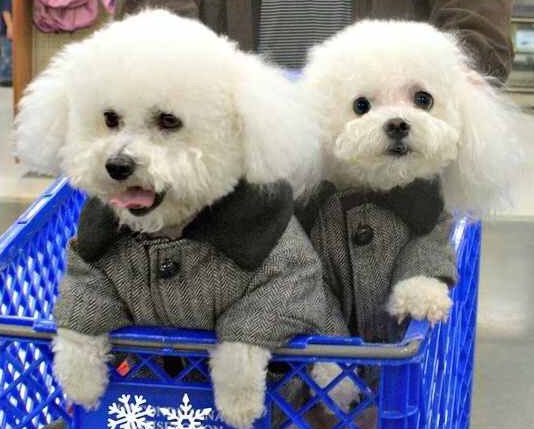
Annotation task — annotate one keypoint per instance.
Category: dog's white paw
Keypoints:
(421, 298)
(80, 366)
(345, 393)
(238, 372)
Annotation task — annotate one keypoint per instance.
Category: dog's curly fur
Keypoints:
(471, 136)
(242, 119)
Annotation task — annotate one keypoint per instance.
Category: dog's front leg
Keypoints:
(239, 372)
(80, 365)
(345, 393)
(420, 297)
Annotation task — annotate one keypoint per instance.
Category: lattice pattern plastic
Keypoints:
(430, 389)
(32, 260)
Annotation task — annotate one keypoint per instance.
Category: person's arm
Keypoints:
(6, 15)
(484, 29)
(187, 8)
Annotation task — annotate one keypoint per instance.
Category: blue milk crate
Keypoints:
(424, 381)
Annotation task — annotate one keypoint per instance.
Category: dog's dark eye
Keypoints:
(112, 119)
(423, 100)
(167, 121)
(361, 106)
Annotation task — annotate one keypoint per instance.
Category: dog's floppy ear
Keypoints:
(42, 119)
(492, 137)
(279, 136)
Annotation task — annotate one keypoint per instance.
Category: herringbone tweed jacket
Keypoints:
(369, 241)
(244, 268)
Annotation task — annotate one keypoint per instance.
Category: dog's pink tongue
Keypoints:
(134, 198)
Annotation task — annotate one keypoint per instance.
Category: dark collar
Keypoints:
(245, 225)
(418, 204)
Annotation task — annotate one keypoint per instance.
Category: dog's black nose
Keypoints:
(397, 128)
(120, 167)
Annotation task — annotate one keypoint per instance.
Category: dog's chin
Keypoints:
(168, 213)
(374, 161)
(384, 171)
(151, 222)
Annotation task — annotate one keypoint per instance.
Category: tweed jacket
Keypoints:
(482, 26)
(408, 236)
(203, 279)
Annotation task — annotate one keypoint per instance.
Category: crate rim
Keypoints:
(12, 327)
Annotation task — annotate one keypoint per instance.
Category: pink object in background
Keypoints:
(67, 15)
(109, 5)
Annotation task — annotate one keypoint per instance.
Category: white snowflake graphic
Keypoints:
(131, 415)
(185, 417)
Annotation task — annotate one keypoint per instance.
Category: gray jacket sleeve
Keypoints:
(429, 255)
(88, 302)
(285, 297)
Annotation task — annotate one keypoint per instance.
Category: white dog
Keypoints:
(411, 131)
(161, 118)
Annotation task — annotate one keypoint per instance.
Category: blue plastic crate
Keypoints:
(422, 382)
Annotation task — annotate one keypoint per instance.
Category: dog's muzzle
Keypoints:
(397, 129)
(398, 148)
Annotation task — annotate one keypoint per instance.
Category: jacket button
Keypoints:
(364, 235)
(168, 269)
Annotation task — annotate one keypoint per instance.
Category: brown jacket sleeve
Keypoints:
(483, 27)
(238, 19)
(188, 8)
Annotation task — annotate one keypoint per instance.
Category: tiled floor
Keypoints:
(504, 376)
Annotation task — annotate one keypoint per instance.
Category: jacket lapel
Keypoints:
(418, 204)
(246, 224)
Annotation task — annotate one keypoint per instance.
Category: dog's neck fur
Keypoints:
(172, 232)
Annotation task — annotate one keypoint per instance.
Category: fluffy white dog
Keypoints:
(161, 118)
(411, 131)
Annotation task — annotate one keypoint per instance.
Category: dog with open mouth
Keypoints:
(198, 149)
